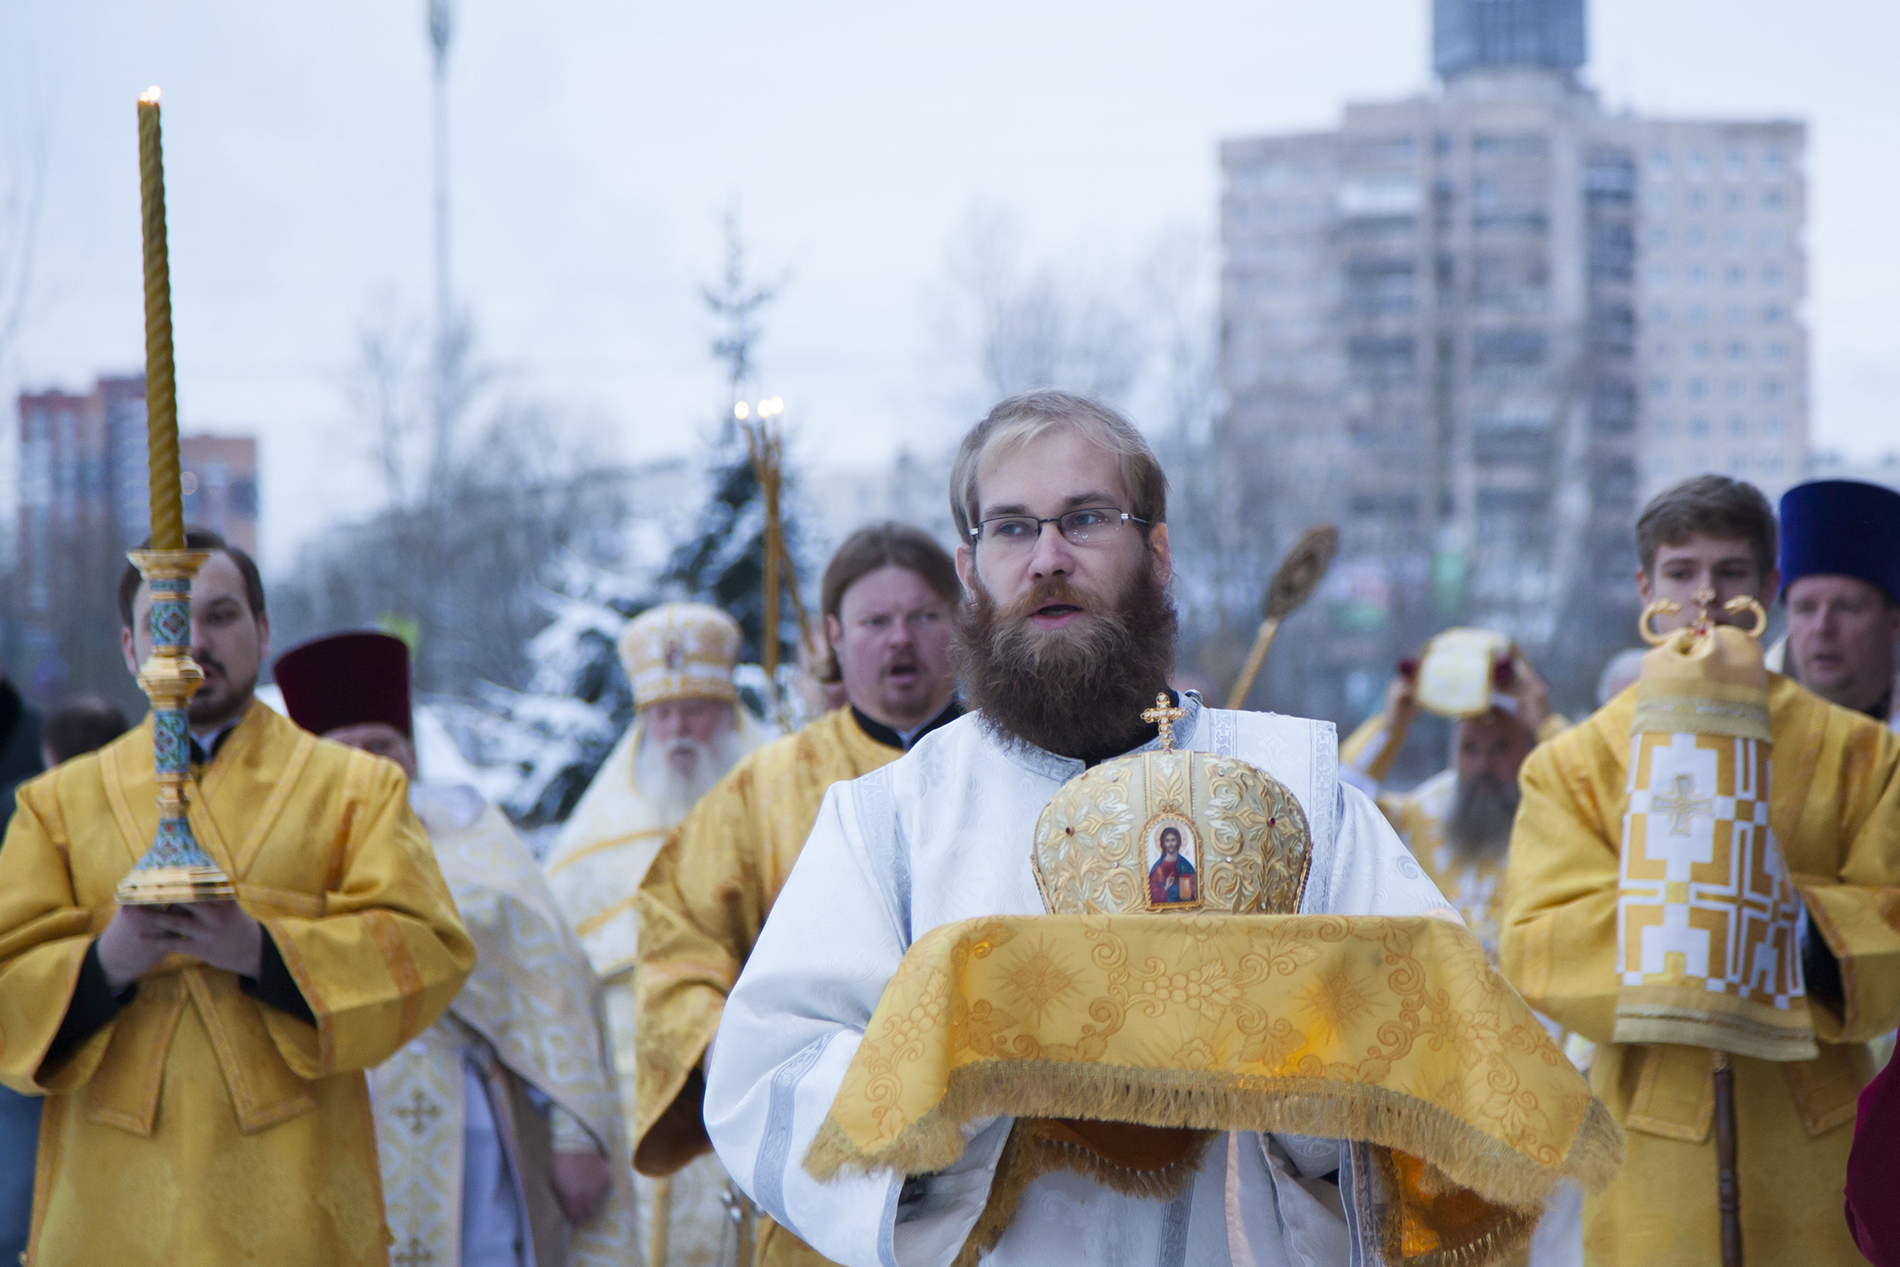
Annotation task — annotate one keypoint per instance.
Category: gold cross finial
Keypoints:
(1164, 714)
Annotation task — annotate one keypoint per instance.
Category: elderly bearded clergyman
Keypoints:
(1066, 636)
(688, 731)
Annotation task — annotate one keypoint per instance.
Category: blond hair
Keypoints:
(1031, 415)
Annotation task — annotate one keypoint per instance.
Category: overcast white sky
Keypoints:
(597, 142)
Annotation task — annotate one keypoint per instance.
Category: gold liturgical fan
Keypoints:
(176, 868)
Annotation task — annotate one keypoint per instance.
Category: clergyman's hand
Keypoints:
(133, 943)
(581, 1182)
(1532, 694)
(1401, 704)
(220, 933)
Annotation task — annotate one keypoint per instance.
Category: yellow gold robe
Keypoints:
(1473, 886)
(1835, 808)
(701, 907)
(199, 1125)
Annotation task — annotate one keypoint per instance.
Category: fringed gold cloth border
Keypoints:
(1393, 1032)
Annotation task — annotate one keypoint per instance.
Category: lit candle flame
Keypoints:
(149, 96)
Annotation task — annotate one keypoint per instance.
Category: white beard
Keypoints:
(672, 794)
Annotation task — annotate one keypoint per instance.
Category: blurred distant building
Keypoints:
(85, 500)
(1476, 329)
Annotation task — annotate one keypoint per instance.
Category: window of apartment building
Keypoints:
(1697, 165)
(1694, 237)
(1661, 428)
(1734, 238)
(1698, 388)
(1696, 314)
(1735, 274)
(1771, 275)
(1774, 428)
(1699, 427)
(1776, 350)
(1773, 161)
(1737, 350)
(1698, 274)
(1695, 200)
(1735, 163)
(1771, 313)
(1773, 240)
(1658, 200)
(1656, 236)
(1659, 350)
(1658, 388)
(1659, 314)
(1773, 198)
(1659, 163)
(1699, 349)
(1659, 276)
(1738, 427)
(1509, 144)
(1737, 389)
(1771, 389)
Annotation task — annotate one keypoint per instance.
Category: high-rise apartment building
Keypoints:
(84, 501)
(1476, 328)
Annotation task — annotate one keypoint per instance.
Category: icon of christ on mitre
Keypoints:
(1173, 993)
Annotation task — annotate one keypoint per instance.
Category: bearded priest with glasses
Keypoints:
(1065, 639)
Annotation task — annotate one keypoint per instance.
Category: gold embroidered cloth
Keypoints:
(1706, 911)
(1391, 1031)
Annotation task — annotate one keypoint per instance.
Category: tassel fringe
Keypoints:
(1470, 1158)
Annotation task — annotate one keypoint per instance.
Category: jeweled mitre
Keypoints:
(1172, 830)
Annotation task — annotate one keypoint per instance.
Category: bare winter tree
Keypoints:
(1024, 326)
(478, 509)
(22, 191)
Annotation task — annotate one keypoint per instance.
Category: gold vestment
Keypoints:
(701, 907)
(1835, 811)
(200, 1125)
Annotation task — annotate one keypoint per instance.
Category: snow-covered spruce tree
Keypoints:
(545, 744)
(723, 561)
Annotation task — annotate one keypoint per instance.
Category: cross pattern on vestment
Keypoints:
(1164, 714)
(419, 1113)
(414, 1254)
(1682, 805)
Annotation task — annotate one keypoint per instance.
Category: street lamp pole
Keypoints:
(441, 26)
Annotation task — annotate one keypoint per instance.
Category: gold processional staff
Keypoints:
(1294, 581)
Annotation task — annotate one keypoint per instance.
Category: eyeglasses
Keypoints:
(1089, 526)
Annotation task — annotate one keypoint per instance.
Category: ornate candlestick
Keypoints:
(175, 868)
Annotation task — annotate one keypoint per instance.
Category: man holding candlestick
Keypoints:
(203, 1062)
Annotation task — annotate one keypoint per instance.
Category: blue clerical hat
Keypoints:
(1841, 528)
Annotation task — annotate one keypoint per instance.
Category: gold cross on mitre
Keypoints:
(1164, 714)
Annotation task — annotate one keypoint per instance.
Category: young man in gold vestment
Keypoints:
(203, 1063)
(886, 598)
(1834, 809)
